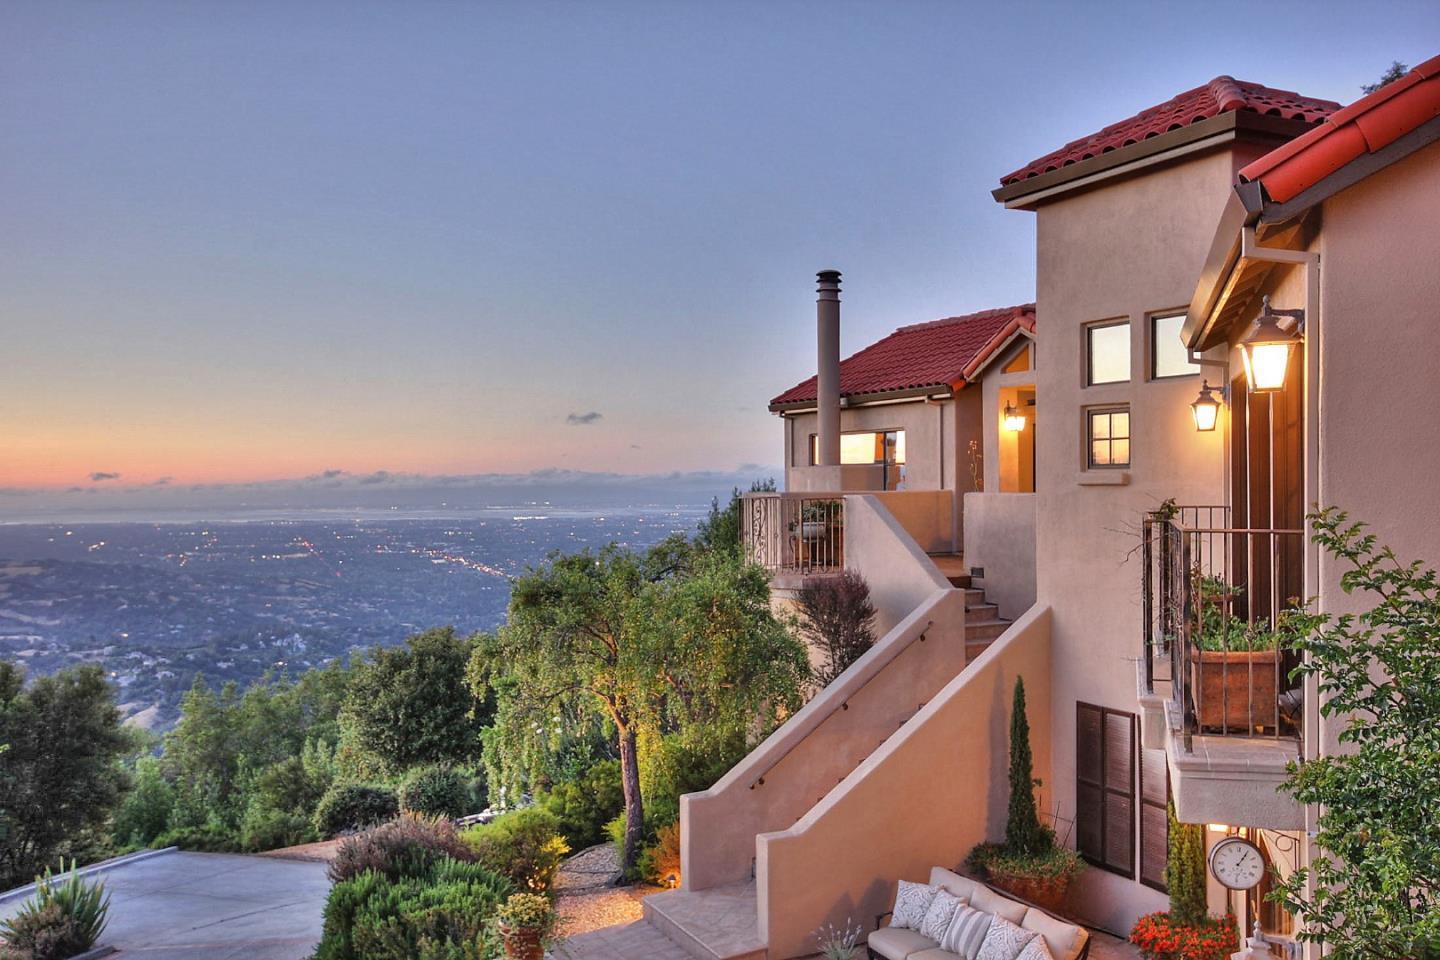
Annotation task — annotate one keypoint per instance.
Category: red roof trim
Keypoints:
(919, 356)
(1367, 125)
(1222, 95)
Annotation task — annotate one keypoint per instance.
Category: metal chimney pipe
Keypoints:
(827, 360)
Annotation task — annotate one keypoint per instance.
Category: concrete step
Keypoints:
(985, 629)
(982, 613)
(960, 580)
(973, 596)
(715, 924)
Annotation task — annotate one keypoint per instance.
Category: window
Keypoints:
(1020, 363)
(885, 447)
(1107, 353)
(1107, 435)
(1168, 355)
(1154, 818)
(1105, 788)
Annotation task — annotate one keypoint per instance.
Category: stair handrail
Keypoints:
(844, 704)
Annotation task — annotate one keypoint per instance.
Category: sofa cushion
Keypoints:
(937, 918)
(912, 902)
(966, 932)
(1065, 940)
(1035, 950)
(896, 943)
(962, 887)
(939, 953)
(991, 902)
(1004, 940)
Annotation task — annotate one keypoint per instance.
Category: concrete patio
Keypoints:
(179, 906)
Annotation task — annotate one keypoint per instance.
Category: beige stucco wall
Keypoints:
(1131, 249)
(1000, 538)
(880, 549)
(929, 451)
(924, 798)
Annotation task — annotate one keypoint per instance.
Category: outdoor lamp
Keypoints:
(1206, 408)
(1266, 348)
(1014, 419)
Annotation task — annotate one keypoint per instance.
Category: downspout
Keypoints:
(1312, 745)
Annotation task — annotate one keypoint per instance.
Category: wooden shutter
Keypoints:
(1154, 821)
(1105, 787)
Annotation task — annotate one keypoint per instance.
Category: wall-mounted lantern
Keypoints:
(1014, 418)
(1266, 348)
(1206, 408)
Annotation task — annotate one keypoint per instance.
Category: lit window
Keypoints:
(885, 446)
(1020, 363)
(1168, 355)
(1107, 352)
(1108, 437)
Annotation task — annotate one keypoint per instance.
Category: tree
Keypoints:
(411, 706)
(1185, 870)
(720, 530)
(1374, 887)
(1024, 834)
(60, 776)
(1394, 72)
(838, 621)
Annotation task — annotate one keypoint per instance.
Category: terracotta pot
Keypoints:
(1235, 690)
(1048, 893)
(523, 943)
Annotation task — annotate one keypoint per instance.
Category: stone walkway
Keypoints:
(631, 941)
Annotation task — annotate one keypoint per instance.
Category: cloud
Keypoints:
(100, 475)
(379, 476)
(331, 474)
(161, 482)
(584, 419)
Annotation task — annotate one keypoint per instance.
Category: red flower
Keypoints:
(1161, 938)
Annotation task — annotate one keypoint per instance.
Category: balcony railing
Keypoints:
(1213, 595)
(794, 533)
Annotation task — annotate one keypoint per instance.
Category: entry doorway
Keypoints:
(1017, 439)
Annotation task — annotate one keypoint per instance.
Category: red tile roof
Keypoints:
(922, 355)
(1221, 95)
(1370, 123)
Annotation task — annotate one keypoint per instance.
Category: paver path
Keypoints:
(219, 906)
(632, 941)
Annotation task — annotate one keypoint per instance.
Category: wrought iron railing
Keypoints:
(791, 532)
(1212, 597)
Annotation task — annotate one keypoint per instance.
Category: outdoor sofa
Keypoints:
(1065, 940)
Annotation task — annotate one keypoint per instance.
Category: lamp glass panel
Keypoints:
(1267, 366)
(1205, 414)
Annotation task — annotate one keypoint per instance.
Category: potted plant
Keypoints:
(1234, 665)
(526, 922)
(816, 516)
(1029, 864)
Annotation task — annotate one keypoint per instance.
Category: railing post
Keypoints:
(1148, 614)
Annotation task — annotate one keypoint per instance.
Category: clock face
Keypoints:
(1237, 863)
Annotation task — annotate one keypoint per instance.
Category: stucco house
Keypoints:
(1237, 292)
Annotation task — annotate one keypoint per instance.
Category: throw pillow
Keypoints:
(966, 932)
(912, 901)
(1004, 941)
(1036, 949)
(937, 918)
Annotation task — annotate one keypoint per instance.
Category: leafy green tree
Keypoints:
(145, 812)
(60, 776)
(1185, 870)
(411, 706)
(720, 530)
(1024, 834)
(1394, 72)
(1374, 887)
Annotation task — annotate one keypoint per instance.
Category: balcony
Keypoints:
(794, 533)
(1214, 677)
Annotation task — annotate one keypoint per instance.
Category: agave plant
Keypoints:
(838, 943)
(65, 917)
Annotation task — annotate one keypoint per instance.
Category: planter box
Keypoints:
(1231, 686)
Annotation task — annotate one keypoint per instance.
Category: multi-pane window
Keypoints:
(1107, 435)
(1107, 353)
(1105, 787)
(1168, 354)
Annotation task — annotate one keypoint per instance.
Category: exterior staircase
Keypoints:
(983, 622)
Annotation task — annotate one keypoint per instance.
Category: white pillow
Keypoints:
(966, 932)
(937, 918)
(1005, 941)
(1036, 949)
(912, 902)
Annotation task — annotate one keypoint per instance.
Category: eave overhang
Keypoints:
(937, 391)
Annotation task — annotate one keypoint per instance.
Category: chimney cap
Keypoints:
(828, 276)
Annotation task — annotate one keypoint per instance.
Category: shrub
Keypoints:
(265, 828)
(64, 918)
(583, 806)
(208, 837)
(409, 846)
(838, 622)
(435, 792)
(661, 860)
(354, 807)
(524, 846)
(1158, 937)
(145, 811)
(442, 915)
(289, 785)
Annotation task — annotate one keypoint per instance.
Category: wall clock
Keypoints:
(1237, 863)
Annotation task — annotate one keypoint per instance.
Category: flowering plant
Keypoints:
(1161, 938)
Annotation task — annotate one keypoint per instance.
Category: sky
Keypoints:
(247, 243)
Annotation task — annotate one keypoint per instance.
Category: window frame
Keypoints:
(1155, 345)
(1087, 428)
(812, 447)
(1089, 368)
(1105, 790)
